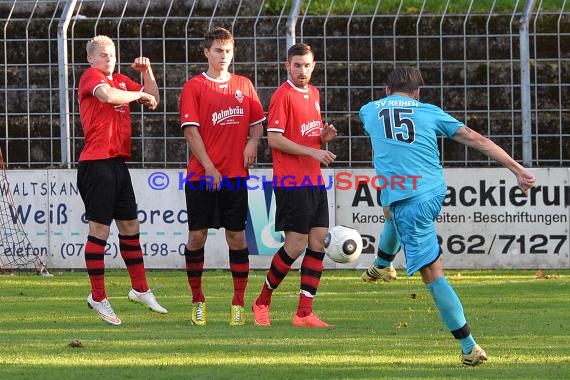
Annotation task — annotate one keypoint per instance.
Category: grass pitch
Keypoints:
(386, 330)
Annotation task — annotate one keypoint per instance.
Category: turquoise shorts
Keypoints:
(415, 222)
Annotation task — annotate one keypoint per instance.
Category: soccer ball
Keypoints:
(343, 244)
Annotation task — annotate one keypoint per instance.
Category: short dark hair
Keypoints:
(299, 49)
(405, 79)
(217, 34)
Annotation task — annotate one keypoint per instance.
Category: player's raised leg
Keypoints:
(95, 264)
(388, 247)
(131, 252)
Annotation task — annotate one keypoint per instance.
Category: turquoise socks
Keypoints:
(451, 312)
(388, 246)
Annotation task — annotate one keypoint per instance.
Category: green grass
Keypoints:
(322, 7)
(388, 330)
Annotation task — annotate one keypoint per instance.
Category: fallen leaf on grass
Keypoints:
(399, 325)
(541, 276)
(76, 343)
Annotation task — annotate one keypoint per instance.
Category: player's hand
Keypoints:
(141, 64)
(249, 154)
(148, 101)
(328, 133)
(324, 156)
(213, 179)
(525, 180)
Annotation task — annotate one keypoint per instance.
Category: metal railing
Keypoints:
(474, 65)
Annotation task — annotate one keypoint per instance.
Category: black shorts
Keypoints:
(301, 209)
(225, 208)
(107, 190)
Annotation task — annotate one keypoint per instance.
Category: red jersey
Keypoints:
(107, 128)
(296, 113)
(223, 111)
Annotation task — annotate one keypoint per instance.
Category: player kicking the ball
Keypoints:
(404, 133)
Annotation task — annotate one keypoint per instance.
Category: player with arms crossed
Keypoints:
(221, 117)
(295, 133)
(103, 178)
(404, 132)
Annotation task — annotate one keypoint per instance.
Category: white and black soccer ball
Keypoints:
(343, 244)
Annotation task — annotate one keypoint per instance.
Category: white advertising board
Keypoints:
(485, 222)
(52, 214)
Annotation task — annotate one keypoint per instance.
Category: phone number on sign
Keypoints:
(523, 244)
(112, 249)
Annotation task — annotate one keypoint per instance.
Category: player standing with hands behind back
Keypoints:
(221, 117)
(103, 178)
(404, 132)
(295, 132)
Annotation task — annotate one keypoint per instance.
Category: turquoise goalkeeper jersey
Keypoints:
(404, 132)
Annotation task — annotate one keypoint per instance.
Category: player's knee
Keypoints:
(235, 239)
(197, 239)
